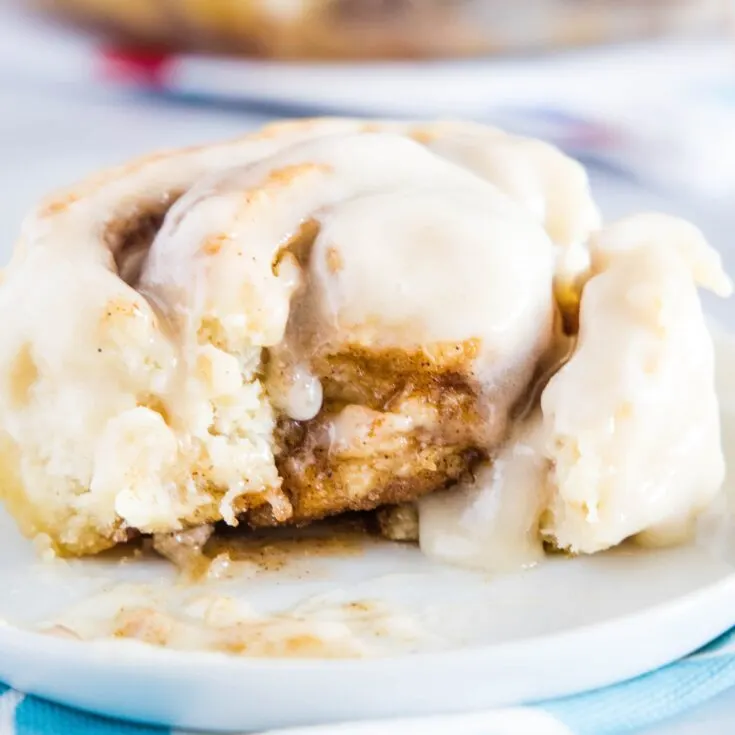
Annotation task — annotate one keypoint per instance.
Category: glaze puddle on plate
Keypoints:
(356, 581)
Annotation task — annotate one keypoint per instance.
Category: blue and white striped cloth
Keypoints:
(625, 708)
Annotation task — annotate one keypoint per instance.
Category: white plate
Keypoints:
(437, 639)
(562, 628)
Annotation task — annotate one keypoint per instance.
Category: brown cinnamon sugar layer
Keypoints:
(129, 238)
(447, 433)
(320, 486)
(378, 378)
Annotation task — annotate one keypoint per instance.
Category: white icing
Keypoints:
(356, 430)
(492, 522)
(627, 442)
(632, 418)
(303, 396)
(437, 226)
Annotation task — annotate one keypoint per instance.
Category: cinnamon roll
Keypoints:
(340, 315)
(324, 316)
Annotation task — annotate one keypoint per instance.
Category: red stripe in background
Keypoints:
(135, 66)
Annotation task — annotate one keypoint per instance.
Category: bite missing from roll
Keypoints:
(326, 316)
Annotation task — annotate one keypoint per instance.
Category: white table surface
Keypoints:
(51, 136)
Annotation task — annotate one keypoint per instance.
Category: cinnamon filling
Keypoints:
(130, 238)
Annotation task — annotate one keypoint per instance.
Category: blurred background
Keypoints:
(642, 91)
